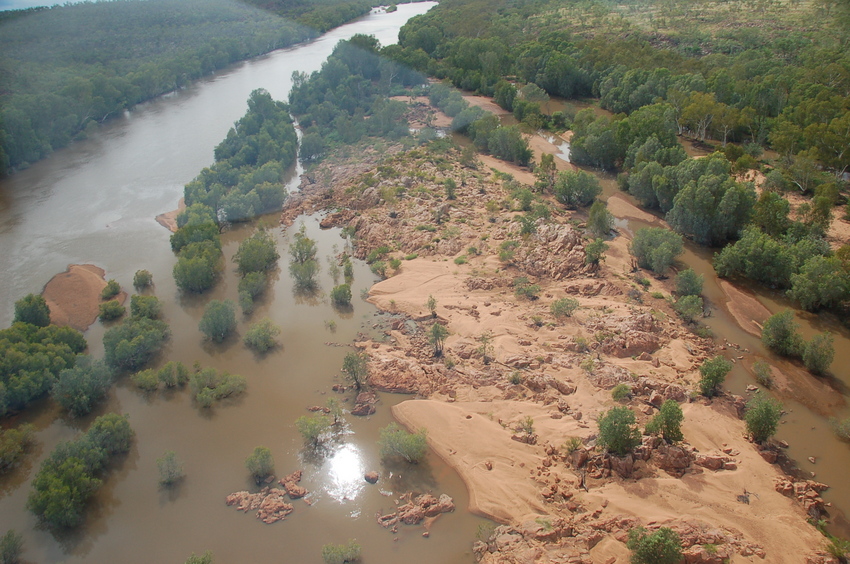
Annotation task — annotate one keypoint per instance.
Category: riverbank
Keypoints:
(507, 359)
(74, 298)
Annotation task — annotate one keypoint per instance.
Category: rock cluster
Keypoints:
(807, 492)
(270, 504)
(416, 510)
(290, 484)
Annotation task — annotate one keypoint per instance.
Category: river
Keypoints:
(95, 202)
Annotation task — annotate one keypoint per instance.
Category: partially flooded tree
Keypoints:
(355, 369)
(260, 464)
(397, 442)
(170, 469)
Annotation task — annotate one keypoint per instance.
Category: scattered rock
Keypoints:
(270, 504)
(371, 477)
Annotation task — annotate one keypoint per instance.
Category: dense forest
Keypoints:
(67, 68)
(743, 77)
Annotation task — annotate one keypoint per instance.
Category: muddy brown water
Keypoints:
(95, 202)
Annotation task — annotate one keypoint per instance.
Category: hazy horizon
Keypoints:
(24, 4)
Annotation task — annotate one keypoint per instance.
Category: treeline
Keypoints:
(245, 181)
(320, 15)
(67, 68)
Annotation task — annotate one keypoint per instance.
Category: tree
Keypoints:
(770, 213)
(261, 336)
(437, 337)
(762, 416)
(661, 547)
(209, 385)
(431, 304)
(689, 308)
(451, 188)
(146, 380)
(195, 274)
(142, 279)
(599, 221)
(714, 371)
(205, 558)
(10, 547)
(13, 444)
(257, 253)
(617, 430)
(260, 464)
(134, 343)
(341, 295)
(576, 189)
(355, 369)
(689, 283)
(712, 210)
(78, 389)
(219, 320)
(594, 251)
(111, 290)
(667, 422)
(822, 282)
(145, 306)
(818, 353)
(111, 310)
(313, 428)
(779, 334)
(564, 307)
(656, 248)
(32, 309)
(173, 374)
(170, 469)
(397, 442)
(341, 553)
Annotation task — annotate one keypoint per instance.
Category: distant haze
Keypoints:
(23, 4)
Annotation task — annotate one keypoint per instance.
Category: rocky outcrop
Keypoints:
(557, 252)
(415, 510)
(807, 492)
(364, 404)
(270, 504)
(628, 336)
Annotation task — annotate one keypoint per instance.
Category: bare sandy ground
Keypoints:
(169, 219)
(74, 296)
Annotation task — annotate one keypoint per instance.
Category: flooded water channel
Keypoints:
(95, 202)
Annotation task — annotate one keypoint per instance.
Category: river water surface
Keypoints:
(95, 202)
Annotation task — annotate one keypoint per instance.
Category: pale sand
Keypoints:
(169, 219)
(748, 312)
(74, 296)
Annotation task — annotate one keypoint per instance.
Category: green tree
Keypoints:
(667, 422)
(170, 468)
(313, 428)
(618, 432)
(712, 210)
(261, 336)
(111, 310)
(78, 389)
(257, 253)
(599, 221)
(32, 309)
(451, 188)
(142, 279)
(594, 251)
(146, 380)
(173, 374)
(145, 306)
(437, 337)
(576, 189)
(209, 385)
(714, 371)
(196, 273)
(762, 416)
(819, 353)
(397, 442)
(260, 464)
(111, 290)
(661, 547)
(11, 545)
(564, 307)
(656, 248)
(219, 320)
(13, 444)
(431, 304)
(355, 368)
(779, 334)
(689, 283)
(770, 213)
(341, 553)
(823, 282)
(205, 558)
(689, 308)
(341, 295)
(134, 343)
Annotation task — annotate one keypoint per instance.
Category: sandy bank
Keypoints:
(74, 296)
(169, 219)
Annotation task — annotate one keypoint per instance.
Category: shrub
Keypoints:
(78, 389)
(437, 337)
(209, 386)
(111, 290)
(656, 248)
(594, 251)
(431, 304)
(689, 283)
(779, 334)
(134, 343)
(341, 295)
(762, 417)
(142, 279)
(689, 308)
(10, 547)
(667, 422)
(219, 320)
(396, 442)
(341, 553)
(145, 380)
(355, 369)
(170, 469)
(205, 558)
(313, 427)
(599, 221)
(525, 289)
(145, 306)
(395, 264)
(818, 353)
(576, 188)
(260, 464)
(714, 371)
(13, 444)
(257, 253)
(661, 547)
(617, 430)
(621, 391)
(764, 374)
(451, 188)
(32, 309)
(173, 374)
(111, 310)
(261, 336)
(507, 250)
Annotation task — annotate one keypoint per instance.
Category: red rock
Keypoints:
(371, 477)
(769, 455)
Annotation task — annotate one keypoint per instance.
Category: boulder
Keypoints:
(371, 477)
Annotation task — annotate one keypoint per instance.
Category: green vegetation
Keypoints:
(219, 320)
(437, 337)
(341, 553)
(523, 288)
(714, 371)
(341, 295)
(71, 473)
(486, 348)
(13, 444)
(31, 358)
(689, 283)
(170, 468)
(599, 220)
(667, 422)
(303, 265)
(173, 374)
(576, 189)
(595, 251)
(763, 373)
(260, 464)
(142, 279)
(111, 290)
(205, 558)
(395, 442)
(356, 370)
(689, 308)
(11, 545)
(818, 353)
(762, 416)
(261, 336)
(145, 380)
(621, 391)
(563, 307)
(656, 248)
(208, 386)
(251, 286)
(80, 388)
(313, 428)
(779, 334)
(257, 253)
(32, 309)
(111, 310)
(618, 432)
(145, 306)
(431, 304)
(661, 547)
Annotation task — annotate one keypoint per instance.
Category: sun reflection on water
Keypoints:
(345, 473)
